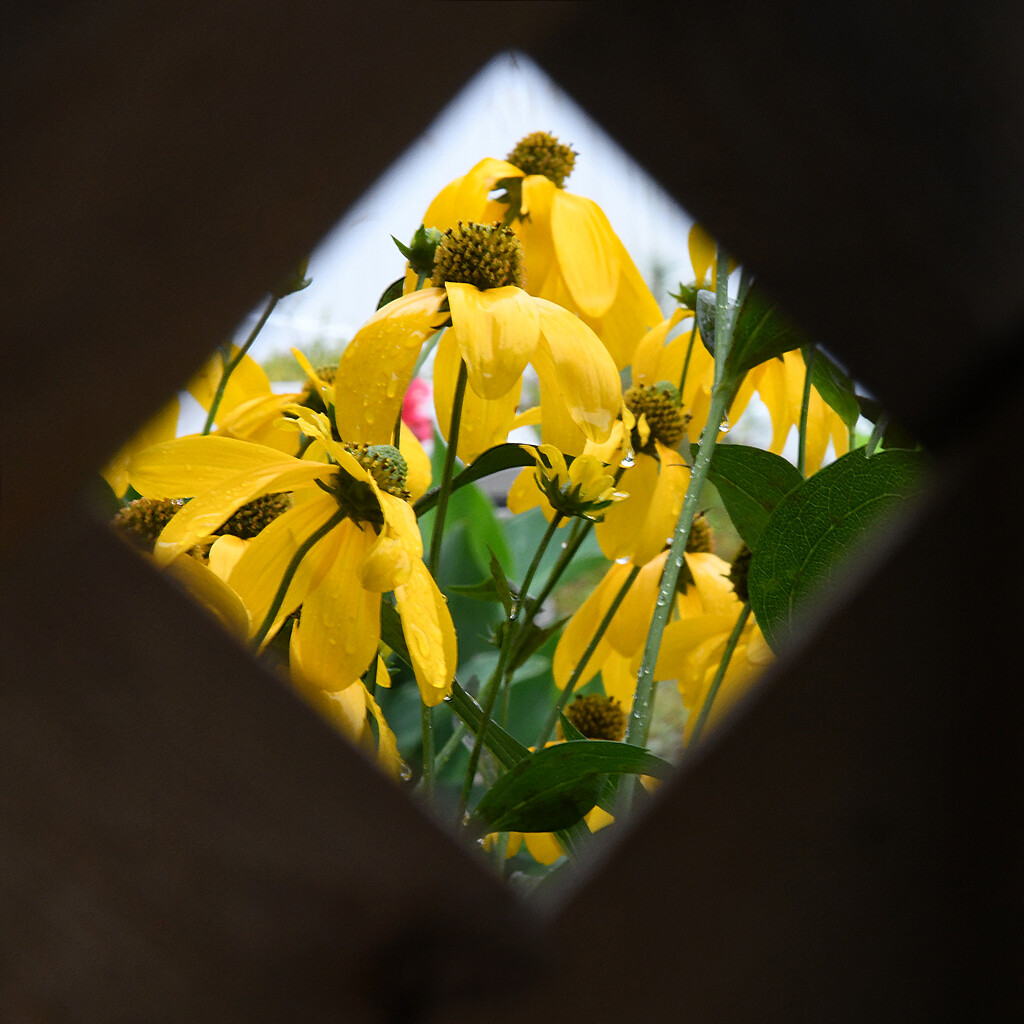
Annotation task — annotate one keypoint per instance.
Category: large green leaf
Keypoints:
(553, 788)
(502, 456)
(750, 482)
(835, 388)
(813, 528)
(761, 332)
(507, 749)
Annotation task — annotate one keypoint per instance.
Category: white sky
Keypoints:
(510, 98)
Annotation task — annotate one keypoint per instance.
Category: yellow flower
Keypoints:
(585, 489)
(361, 540)
(161, 427)
(691, 650)
(544, 847)
(573, 256)
(618, 654)
(496, 331)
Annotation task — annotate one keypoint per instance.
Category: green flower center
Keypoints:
(485, 256)
(386, 464)
(542, 153)
(256, 515)
(598, 717)
(660, 405)
(738, 572)
(143, 520)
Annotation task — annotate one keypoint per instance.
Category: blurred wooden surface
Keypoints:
(180, 839)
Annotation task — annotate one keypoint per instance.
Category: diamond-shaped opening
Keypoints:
(494, 536)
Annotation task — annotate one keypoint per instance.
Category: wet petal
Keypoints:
(192, 465)
(497, 331)
(377, 364)
(587, 251)
(259, 572)
(208, 510)
(339, 626)
(386, 566)
(571, 360)
(429, 634)
(417, 480)
(484, 422)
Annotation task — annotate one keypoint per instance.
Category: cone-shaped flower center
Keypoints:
(542, 153)
(386, 464)
(598, 717)
(659, 404)
(256, 515)
(738, 572)
(485, 256)
(143, 520)
(700, 535)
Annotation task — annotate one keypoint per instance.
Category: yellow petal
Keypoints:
(387, 745)
(534, 231)
(702, 253)
(259, 572)
(402, 523)
(417, 480)
(377, 364)
(681, 641)
(484, 422)
(466, 198)
(571, 358)
(386, 566)
(581, 628)
(162, 426)
(586, 249)
(711, 578)
(248, 380)
(212, 593)
(497, 331)
(224, 555)
(192, 465)
(628, 630)
(207, 511)
(429, 634)
(543, 846)
(339, 626)
(618, 675)
(524, 494)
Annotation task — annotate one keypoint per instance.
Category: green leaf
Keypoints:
(502, 456)
(484, 534)
(569, 731)
(507, 749)
(750, 482)
(813, 528)
(553, 788)
(533, 639)
(762, 332)
(392, 292)
(485, 590)
(835, 388)
(501, 584)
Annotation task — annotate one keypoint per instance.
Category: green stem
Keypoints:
(805, 405)
(445, 753)
(723, 664)
(578, 671)
(689, 352)
(877, 433)
(427, 731)
(639, 726)
(230, 367)
(509, 648)
(282, 588)
(448, 472)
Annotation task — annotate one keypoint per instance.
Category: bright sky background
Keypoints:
(510, 98)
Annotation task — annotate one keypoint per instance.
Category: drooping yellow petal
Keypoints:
(484, 422)
(429, 634)
(497, 331)
(586, 249)
(524, 494)
(618, 675)
(208, 510)
(192, 465)
(377, 364)
(711, 579)
(161, 427)
(248, 380)
(402, 523)
(339, 627)
(581, 628)
(257, 420)
(628, 630)
(639, 526)
(387, 745)
(417, 480)
(260, 571)
(210, 591)
(543, 846)
(466, 198)
(582, 370)
(386, 565)
(534, 231)
(681, 641)
(224, 555)
(702, 253)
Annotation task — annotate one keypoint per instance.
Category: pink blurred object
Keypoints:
(417, 409)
